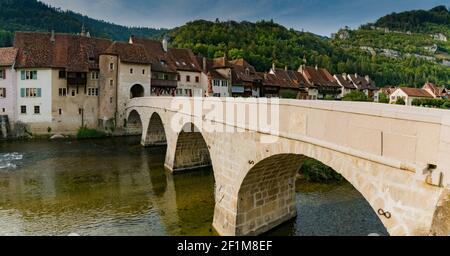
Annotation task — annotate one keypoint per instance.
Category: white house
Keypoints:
(8, 83)
(408, 95)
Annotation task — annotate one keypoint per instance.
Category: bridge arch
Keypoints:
(191, 151)
(267, 194)
(134, 123)
(156, 134)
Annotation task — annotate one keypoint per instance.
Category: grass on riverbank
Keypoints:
(87, 133)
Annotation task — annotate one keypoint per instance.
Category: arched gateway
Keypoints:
(395, 156)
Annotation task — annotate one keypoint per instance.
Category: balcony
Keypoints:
(164, 83)
(76, 79)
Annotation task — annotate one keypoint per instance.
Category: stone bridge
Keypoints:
(397, 157)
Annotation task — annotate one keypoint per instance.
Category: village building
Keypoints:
(218, 84)
(347, 86)
(435, 91)
(409, 94)
(293, 84)
(320, 78)
(57, 80)
(8, 87)
(191, 81)
(245, 77)
(364, 84)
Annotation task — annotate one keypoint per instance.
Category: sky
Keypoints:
(321, 17)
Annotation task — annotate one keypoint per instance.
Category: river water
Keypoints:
(116, 187)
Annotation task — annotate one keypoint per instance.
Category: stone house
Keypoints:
(364, 84)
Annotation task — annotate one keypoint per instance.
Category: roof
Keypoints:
(288, 79)
(242, 72)
(7, 56)
(416, 92)
(210, 70)
(362, 83)
(184, 60)
(342, 80)
(270, 80)
(74, 52)
(434, 89)
(130, 53)
(319, 77)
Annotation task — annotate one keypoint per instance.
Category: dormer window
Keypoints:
(178, 63)
(247, 71)
(163, 62)
(184, 63)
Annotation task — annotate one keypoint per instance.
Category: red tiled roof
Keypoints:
(7, 56)
(184, 60)
(361, 82)
(319, 77)
(129, 53)
(73, 52)
(433, 88)
(416, 92)
(345, 82)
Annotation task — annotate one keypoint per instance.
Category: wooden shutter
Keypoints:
(38, 92)
(22, 92)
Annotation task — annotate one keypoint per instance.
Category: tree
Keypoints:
(355, 96)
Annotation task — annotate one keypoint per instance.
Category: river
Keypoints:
(116, 187)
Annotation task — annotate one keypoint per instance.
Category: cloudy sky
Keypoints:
(318, 16)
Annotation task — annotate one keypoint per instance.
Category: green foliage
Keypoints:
(355, 96)
(86, 133)
(329, 97)
(400, 101)
(316, 171)
(432, 103)
(32, 15)
(288, 94)
(383, 98)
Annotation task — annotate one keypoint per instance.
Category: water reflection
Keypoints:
(116, 187)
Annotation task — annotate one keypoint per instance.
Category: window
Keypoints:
(2, 92)
(28, 75)
(197, 79)
(73, 93)
(3, 110)
(62, 92)
(37, 110)
(143, 71)
(188, 78)
(30, 92)
(2, 74)
(111, 66)
(62, 74)
(178, 77)
(131, 71)
(23, 109)
(216, 83)
(94, 75)
(59, 111)
(93, 91)
(111, 82)
(110, 100)
(80, 111)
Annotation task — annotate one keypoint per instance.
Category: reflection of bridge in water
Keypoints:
(397, 157)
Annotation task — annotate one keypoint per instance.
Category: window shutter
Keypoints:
(34, 75)
(4, 73)
(22, 92)
(22, 74)
(38, 92)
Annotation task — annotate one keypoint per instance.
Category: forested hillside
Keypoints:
(31, 15)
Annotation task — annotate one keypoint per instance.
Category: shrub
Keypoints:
(355, 96)
(86, 133)
(400, 101)
(288, 94)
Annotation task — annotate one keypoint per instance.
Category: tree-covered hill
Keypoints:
(32, 15)
(436, 20)
(264, 42)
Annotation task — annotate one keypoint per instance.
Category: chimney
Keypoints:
(52, 37)
(83, 30)
(88, 34)
(286, 68)
(131, 40)
(356, 75)
(204, 64)
(265, 75)
(301, 68)
(367, 78)
(273, 66)
(344, 75)
(317, 67)
(165, 43)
